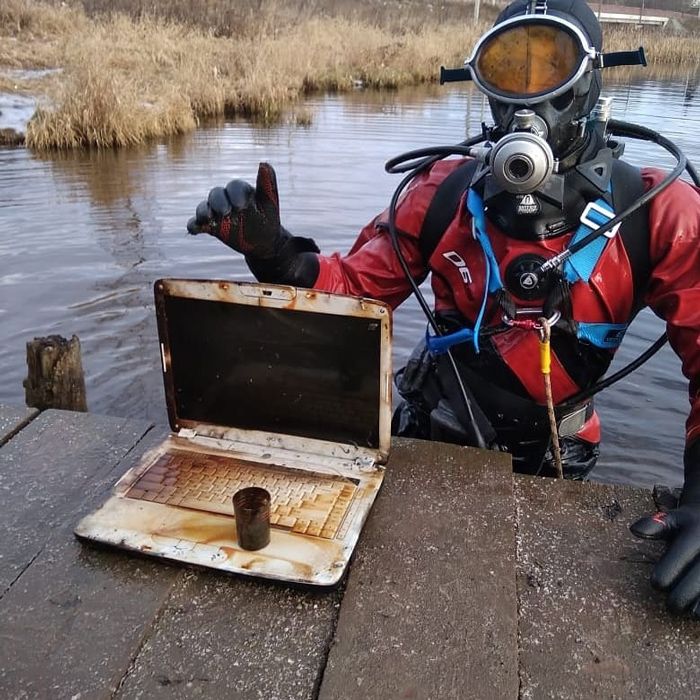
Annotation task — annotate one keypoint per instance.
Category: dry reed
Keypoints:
(127, 79)
(26, 18)
(662, 50)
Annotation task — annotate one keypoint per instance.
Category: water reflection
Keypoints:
(87, 234)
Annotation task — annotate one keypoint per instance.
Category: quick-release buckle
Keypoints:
(530, 323)
(605, 214)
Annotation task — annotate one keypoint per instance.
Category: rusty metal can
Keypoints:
(251, 508)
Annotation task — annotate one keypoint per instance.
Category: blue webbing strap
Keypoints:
(603, 335)
(580, 265)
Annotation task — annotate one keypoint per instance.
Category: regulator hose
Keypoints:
(629, 130)
(620, 128)
(406, 162)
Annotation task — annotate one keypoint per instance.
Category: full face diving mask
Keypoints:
(530, 59)
(541, 73)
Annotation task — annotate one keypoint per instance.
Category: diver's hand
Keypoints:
(678, 571)
(245, 218)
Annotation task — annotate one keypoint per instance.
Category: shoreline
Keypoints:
(115, 80)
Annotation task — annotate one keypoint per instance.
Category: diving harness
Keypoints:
(521, 162)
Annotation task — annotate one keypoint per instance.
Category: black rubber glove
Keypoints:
(247, 219)
(678, 571)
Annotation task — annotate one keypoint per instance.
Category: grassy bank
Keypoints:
(127, 78)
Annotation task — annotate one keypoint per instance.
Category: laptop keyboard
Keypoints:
(307, 503)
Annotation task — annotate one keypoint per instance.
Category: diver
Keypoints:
(541, 245)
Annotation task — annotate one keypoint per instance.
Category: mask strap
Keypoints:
(454, 75)
(621, 58)
(537, 7)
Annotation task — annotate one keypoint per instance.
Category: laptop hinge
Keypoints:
(279, 454)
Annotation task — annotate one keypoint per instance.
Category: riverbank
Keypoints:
(125, 79)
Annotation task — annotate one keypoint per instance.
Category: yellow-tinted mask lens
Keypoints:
(528, 59)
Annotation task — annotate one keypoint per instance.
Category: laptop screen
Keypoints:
(286, 371)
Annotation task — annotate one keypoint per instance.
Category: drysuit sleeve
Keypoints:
(673, 292)
(372, 268)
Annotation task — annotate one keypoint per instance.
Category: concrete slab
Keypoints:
(590, 623)
(13, 419)
(71, 618)
(430, 608)
(72, 624)
(220, 636)
(47, 470)
(77, 620)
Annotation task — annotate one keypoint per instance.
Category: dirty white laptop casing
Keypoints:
(302, 362)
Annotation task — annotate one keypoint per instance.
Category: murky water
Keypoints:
(84, 236)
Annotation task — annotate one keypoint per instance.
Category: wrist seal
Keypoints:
(293, 262)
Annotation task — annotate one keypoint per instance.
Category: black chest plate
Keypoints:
(543, 219)
(554, 209)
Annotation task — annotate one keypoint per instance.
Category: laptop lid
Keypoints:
(295, 368)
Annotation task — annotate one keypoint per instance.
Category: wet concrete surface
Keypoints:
(590, 623)
(84, 621)
(70, 617)
(13, 419)
(430, 608)
(219, 636)
(48, 470)
(465, 583)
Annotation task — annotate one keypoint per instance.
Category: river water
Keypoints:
(85, 235)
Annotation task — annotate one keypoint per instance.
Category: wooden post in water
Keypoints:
(55, 374)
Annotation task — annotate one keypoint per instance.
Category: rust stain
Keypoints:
(198, 531)
(211, 534)
(255, 561)
(155, 530)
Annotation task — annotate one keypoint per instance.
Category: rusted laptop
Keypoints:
(271, 386)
